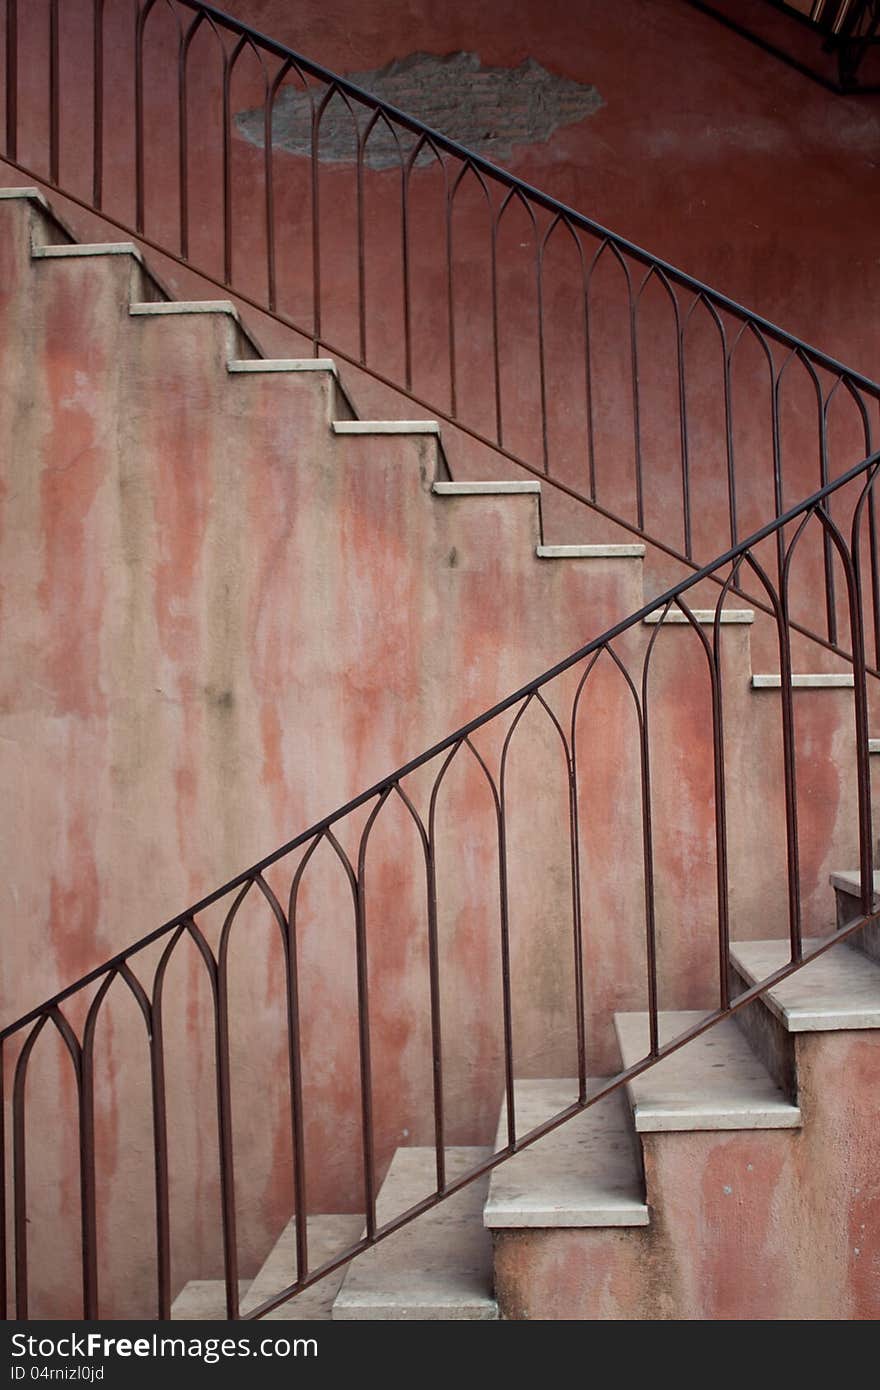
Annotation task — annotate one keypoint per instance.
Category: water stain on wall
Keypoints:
(490, 109)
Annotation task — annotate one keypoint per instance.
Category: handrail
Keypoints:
(663, 601)
(625, 659)
(708, 390)
(838, 404)
(535, 194)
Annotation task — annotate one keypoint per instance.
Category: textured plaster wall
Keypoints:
(198, 574)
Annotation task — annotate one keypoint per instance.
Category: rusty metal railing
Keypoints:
(540, 335)
(556, 704)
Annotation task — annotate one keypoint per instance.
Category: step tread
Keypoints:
(185, 306)
(850, 881)
(820, 680)
(328, 1236)
(386, 427)
(702, 615)
(840, 989)
(87, 248)
(282, 364)
(590, 552)
(437, 1267)
(204, 1300)
(485, 489)
(585, 1173)
(713, 1082)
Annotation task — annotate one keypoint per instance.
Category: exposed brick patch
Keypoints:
(488, 109)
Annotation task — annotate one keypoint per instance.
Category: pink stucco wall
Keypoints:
(222, 622)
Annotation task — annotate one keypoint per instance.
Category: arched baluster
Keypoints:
(12, 79)
(87, 1152)
(507, 999)
(377, 117)
(466, 168)
(294, 1037)
(2, 1185)
(183, 115)
(160, 1132)
(713, 659)
(576, 917)
(648, 844)
(363, 995)
(560, 221)
(224, 1110)
(856, 396)
(434, 988)
(515, 195)
(229, 72)
(19, 1169)
(788, 749)
(703, 301)
(423, 143)
(608, 245)
(98, 103)
(655, 273)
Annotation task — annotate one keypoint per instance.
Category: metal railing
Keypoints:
(626, 384)
(626, 655)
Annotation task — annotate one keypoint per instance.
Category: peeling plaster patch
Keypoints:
(488, 109)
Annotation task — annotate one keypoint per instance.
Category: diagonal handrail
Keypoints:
(790, 526)
(816, 415)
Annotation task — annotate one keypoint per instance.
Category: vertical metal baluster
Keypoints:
(855, 596)
(577, 923)
(637, 411)
(12, 79)
(716, 674)
(542, 354)
(404, 270)
(366, 1069)
(648, 857)
(316, 234)
(790, 777)
(361, 247)
(496, 336)
(19, 1170)
(227, 175)
(685, 454)
(588, 389)
(183, 146)
(54, 94)
(828, 557)
(294, 1046)
(139, 120)
(875, 574)
(226, 1155)
(269, 178)
(731, 449)
(504, 905)
(160, 1167)
(450, 300)
(98, 104)
(3, 1255)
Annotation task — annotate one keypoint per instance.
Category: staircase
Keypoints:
(532, 1027)
(732, 1181)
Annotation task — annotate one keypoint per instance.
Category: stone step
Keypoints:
(704, 616)
(437, 1268)
(713, 1082)
(204, 1300)
(485, 489)
(838, 990)
(590, 552)
(386, 427)
(328, 1236)
(819, 681)
(585, 1173)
